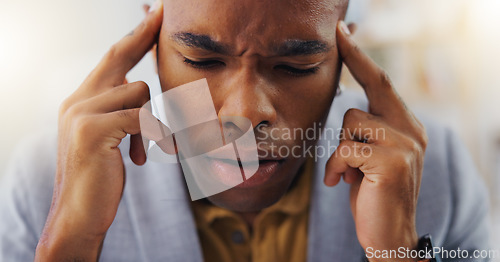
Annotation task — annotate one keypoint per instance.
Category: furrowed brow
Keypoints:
(292, 47)
(302, 47)
(204, 42)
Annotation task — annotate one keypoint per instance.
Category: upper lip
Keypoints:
(269, 156)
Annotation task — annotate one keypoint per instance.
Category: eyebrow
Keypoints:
(297, 47)
(204, 42)
(291, 47)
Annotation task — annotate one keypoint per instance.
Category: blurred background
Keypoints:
(442, 55)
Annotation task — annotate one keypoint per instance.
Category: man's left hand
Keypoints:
(381, 154)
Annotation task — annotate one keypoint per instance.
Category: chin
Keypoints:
(246, 200)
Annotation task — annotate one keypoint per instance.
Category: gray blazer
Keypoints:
(154, 221)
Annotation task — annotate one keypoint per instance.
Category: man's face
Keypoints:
(273, 62)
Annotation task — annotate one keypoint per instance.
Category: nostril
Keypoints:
(231, 131)
(263, 124)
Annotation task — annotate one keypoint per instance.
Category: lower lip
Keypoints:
(225, 173)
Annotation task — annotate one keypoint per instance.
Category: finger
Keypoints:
(352, 175)
(137, 152)
(126, 96)
(153, 129)
(349, 155)
(383, 99)
(118, 124)
(361, 126)
(129, 51)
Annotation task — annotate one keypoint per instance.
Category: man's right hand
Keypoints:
(90, 171)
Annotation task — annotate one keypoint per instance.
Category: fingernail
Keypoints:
(155, 5)
(343, 27)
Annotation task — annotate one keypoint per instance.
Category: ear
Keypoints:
(352, 27)
(146, 7)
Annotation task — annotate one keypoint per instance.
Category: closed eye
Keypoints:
(212, 64)
(296, 71)
(208, 64)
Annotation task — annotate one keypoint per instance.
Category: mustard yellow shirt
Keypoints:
(279, 232)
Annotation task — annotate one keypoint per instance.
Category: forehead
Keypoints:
(256, 23)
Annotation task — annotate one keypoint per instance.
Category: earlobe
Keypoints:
(146, 8)
(340, 88)
(352, 27)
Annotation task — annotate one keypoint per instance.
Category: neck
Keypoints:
(249, 217)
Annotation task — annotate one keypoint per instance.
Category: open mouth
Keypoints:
(232, 173)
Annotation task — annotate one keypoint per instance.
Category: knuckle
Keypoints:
(352, 115)
(118, 90)
(345, 144)
(83, 123)
(423, 139)
(356, 49)
(385, 79)
(134, 113)
(364, 150)
(83, 126)
(414, 148)
(139, 90)
(142, 89)
(402, 161)
(371, 117)
(419, 136)
(129, 114)
(74, 110)
(141, 84)
(65, 105)
(112, 54)
(123, 114)
(408, 144)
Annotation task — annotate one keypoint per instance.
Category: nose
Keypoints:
(246, 94)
